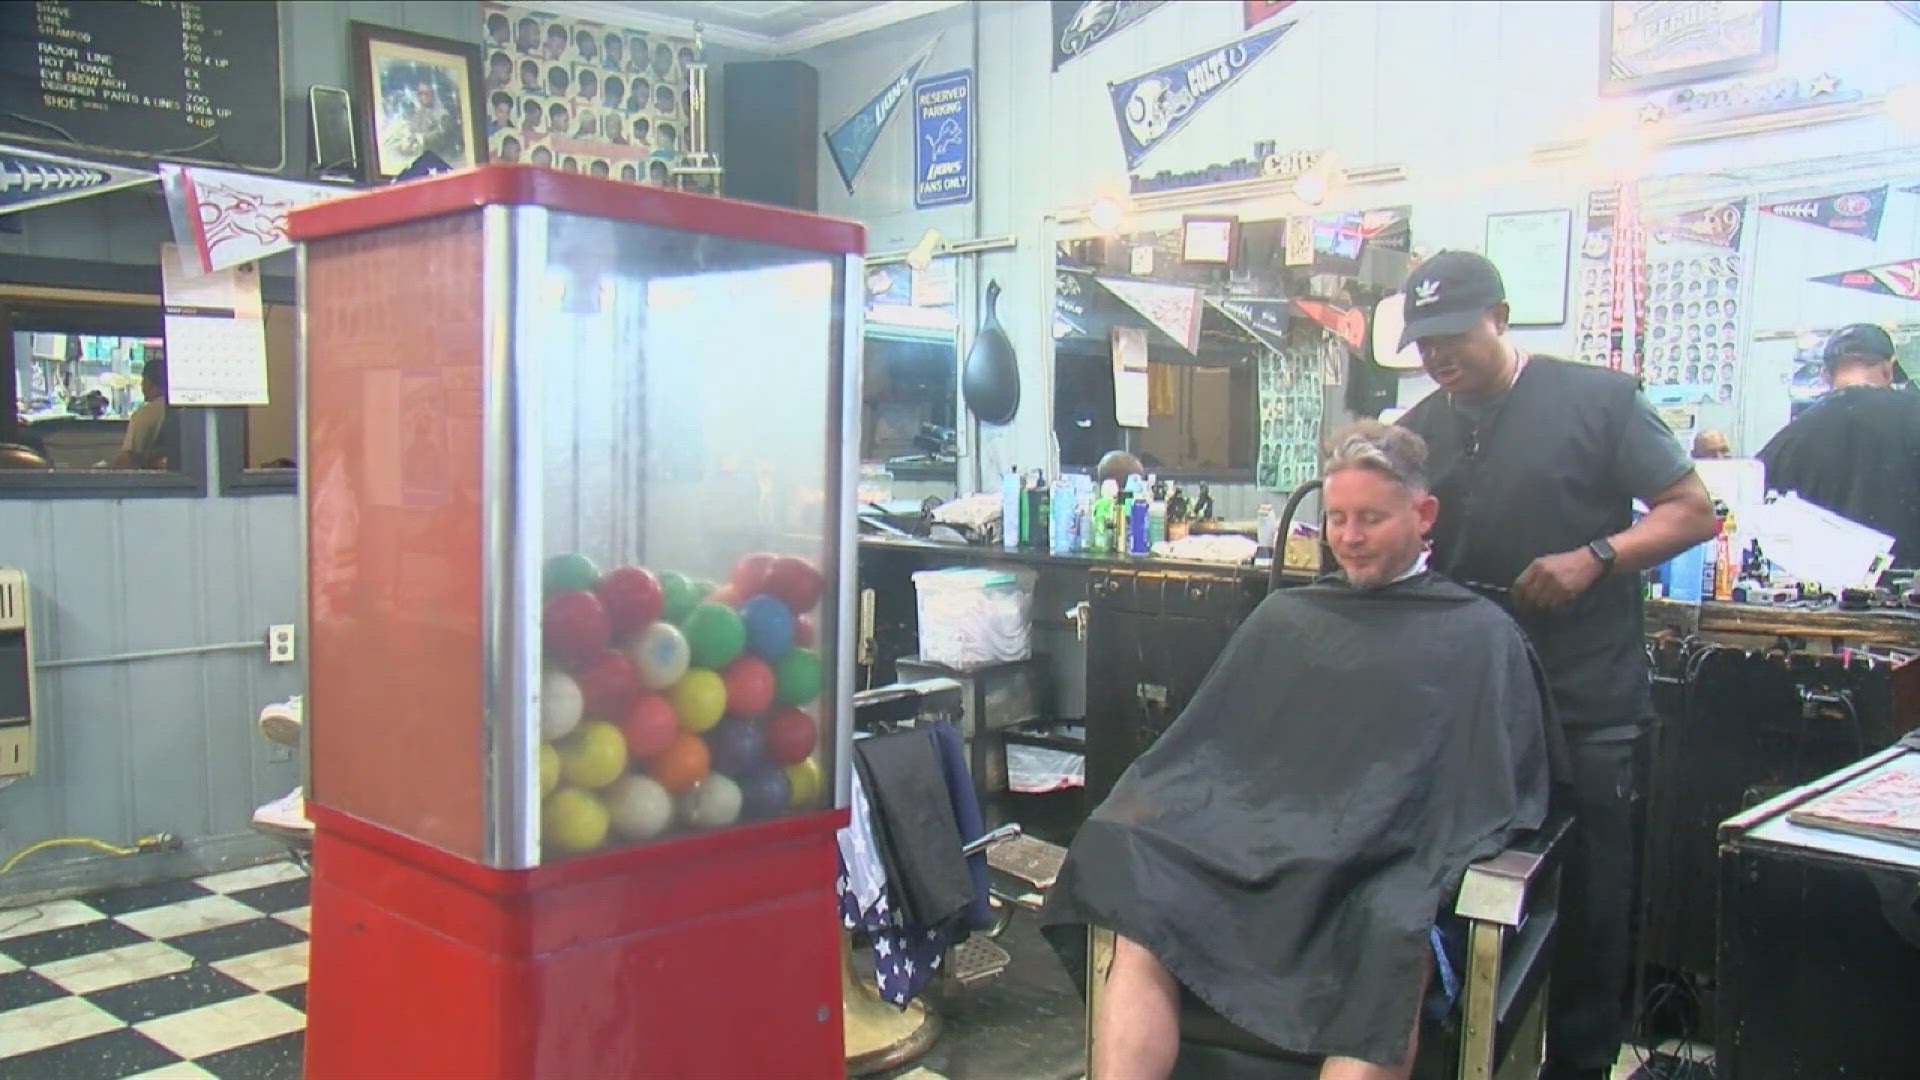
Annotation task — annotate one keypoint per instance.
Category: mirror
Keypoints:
(910, 357)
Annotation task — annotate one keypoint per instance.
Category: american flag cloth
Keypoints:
(905, 958)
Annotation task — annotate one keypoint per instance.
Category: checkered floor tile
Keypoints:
(182, 979)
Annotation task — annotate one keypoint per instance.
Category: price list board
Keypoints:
(175, 79)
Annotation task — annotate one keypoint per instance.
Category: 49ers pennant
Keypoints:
(1856, 213)
(1889, 279)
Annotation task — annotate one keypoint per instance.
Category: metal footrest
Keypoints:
(1034, 862)
(976, 960)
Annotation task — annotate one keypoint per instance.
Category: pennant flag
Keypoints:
(1174, 309)
(1151, 106)
(1915, 189)
(1349, 323)
(229, 218)
(1900, 279)
(1856, 213)
(1259, 11)
(851, 141)
(30, 178)
(1718, 225)
(1267, 318)
(1079, 25)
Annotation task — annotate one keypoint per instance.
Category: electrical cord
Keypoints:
(152, 842)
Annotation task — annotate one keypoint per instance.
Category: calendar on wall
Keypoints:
(216, 334)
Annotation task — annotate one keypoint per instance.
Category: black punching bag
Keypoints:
(991, 380)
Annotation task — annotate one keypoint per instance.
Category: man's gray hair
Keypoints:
(1394, 452)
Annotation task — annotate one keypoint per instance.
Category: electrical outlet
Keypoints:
(280, 643)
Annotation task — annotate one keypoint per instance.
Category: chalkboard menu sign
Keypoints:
(169, 79)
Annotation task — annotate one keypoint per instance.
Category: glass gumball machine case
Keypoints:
(579, 554)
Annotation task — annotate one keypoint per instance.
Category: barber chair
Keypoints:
(1511, 906)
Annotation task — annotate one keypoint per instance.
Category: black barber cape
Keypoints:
(1856, 452)
(1286, 844)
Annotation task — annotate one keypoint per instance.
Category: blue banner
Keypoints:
(943, 140)
(1150, 107)
(851, 141)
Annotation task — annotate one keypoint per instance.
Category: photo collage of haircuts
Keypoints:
(584, 97)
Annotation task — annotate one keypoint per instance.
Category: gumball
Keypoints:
(700, 698)
(715, 635)
(736, 746)
(632, 598)
(750, 574)
(561, 704)
(804, 634)
(676, 596)
(749, 686)
(573, 821)
(608, 685)
(795, 581)
(807, 782)
(575, 628)
(790, 736)
(798, 674)
(712, 803)
(702, 588)
(594, 756)
(650, 726)
(659, 655)
(724, 596)
(682, 765)
(549, 769)
(568, 573)
(638, 807)
(764, 792)
(769, 626)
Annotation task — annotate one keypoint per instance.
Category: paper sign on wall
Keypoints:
(1130, 382)
(943, 140)
(216, 334)
(1300, 241)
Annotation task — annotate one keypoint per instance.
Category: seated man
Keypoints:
(1284, 849)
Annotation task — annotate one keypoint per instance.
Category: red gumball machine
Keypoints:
(578, 494)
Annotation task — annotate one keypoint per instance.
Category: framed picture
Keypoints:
(1647, 44)
(1212, 239)
(417, 95)
(1532, 249)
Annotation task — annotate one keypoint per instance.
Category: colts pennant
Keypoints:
(1150, 107)
(1900, 279)
(30, 178)
(1856, 213)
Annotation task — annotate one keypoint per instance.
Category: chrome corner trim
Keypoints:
(843, 464)
(302, 492)
(513, 252)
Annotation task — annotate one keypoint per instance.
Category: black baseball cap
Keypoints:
(1448, 293)
(1859, 339)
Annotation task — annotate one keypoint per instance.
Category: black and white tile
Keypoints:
(204, 978)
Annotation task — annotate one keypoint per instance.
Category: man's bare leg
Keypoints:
(1137, 1033)
(1355, 1069)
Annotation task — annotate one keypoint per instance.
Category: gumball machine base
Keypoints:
(705, 955)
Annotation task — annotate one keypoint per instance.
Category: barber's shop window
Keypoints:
(1200, 409)
(258, 444)
(909, 375)
(85, 403)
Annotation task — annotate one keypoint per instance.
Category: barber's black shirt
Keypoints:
(1857, 453)
(1555, 463)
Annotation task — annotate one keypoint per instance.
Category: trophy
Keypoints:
(697, 169)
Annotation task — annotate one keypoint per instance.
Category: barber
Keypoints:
(1537, 462)
(1856, 451)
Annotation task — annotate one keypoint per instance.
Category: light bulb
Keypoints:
(1105, 214)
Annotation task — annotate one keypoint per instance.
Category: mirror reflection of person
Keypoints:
(140, 448)
(1856, 451)
(1711, 444)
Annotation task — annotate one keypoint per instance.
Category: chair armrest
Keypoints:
(1495, 889)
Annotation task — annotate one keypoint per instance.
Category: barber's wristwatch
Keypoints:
(1603, 550)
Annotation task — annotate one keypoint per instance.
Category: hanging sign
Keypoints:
(1079, 25)
(1259, 11)
(1151, 106)
(1856, 213)
(233, 217)
(1900, 279)
(30, 178)
(1717, 225)
(1174, 309)
(943, 140)
(851, 141)
(1748, 98)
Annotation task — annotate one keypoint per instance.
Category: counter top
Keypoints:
(1080, 561)
(1766, 619)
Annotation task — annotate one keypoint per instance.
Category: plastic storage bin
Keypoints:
(973, 616)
